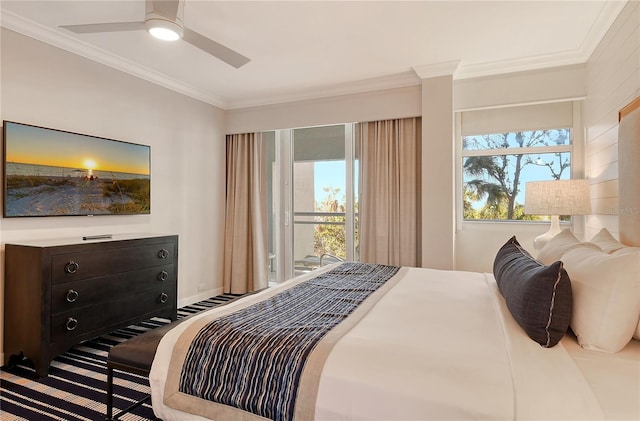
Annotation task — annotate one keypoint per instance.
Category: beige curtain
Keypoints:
(245, 240)
(389, 184)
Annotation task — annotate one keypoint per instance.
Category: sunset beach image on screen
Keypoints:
(50, 172)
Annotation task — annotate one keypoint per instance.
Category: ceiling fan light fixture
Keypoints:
(164, 29)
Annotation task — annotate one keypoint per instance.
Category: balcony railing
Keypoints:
(311, 260)
(314, 214)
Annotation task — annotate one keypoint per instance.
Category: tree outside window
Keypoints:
(497, 166)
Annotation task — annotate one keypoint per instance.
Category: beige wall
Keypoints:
(46, 86)
(367, 106)
(438, 178)
(613, 81)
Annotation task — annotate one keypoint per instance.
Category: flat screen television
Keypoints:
(49, 172)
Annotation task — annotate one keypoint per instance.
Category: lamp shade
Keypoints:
(557, 197)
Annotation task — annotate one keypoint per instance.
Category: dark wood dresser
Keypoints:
(60, 293)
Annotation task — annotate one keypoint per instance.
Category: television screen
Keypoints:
(50, 172)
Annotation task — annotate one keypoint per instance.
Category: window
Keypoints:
(504, 148)
(496, 167)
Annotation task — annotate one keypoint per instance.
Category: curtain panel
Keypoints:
(389, 152)
(245, 239)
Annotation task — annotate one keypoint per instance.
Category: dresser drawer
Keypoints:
(76, 325)
(76, 294)
(82, 265)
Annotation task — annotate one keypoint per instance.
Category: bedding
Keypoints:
(539, 297)
(606, 241)
(435, 345)
(253, 359)
(616, 248)
(607, 286)
(614, 378)
(607, 297)
(559, 245)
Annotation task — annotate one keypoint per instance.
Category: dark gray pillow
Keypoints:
(538, 296)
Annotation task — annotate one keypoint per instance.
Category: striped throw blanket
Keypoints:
(253, 359)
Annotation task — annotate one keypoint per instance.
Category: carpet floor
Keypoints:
(75, 387)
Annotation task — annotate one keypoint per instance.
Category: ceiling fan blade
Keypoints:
(218, 50)
(169, 9)
(104, 27)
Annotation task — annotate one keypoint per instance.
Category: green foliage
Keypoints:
(492, 210)
(330, 238)
(469, 196)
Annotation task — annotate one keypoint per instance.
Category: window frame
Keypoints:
(575, 148)
(284, 212)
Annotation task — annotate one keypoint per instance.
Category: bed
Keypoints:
(438, 345)
(427, 344)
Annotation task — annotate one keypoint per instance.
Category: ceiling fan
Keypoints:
(163, 20)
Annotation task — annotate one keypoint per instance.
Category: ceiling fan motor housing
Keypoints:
(164, 16)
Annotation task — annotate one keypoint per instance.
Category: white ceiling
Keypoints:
(308, 49)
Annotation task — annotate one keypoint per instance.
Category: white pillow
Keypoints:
(559, 245)
(606, 241)
(606, 297)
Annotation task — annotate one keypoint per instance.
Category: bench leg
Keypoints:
(110, 416)
(109, 393)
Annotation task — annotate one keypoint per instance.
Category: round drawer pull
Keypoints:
(71, 267)
(72, 295)
(163, 276)
(71, 324)
(163, 254)
(163, 298)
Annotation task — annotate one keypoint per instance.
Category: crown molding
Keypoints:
(605, 19)
(437, 69)
(17, 23)
(607, 16)
(398, 80)
(473, 70)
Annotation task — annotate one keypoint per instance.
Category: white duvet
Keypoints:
(439, 345)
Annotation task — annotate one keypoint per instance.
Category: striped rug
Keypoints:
(75, 387)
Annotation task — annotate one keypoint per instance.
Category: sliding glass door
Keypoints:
(312, 198)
